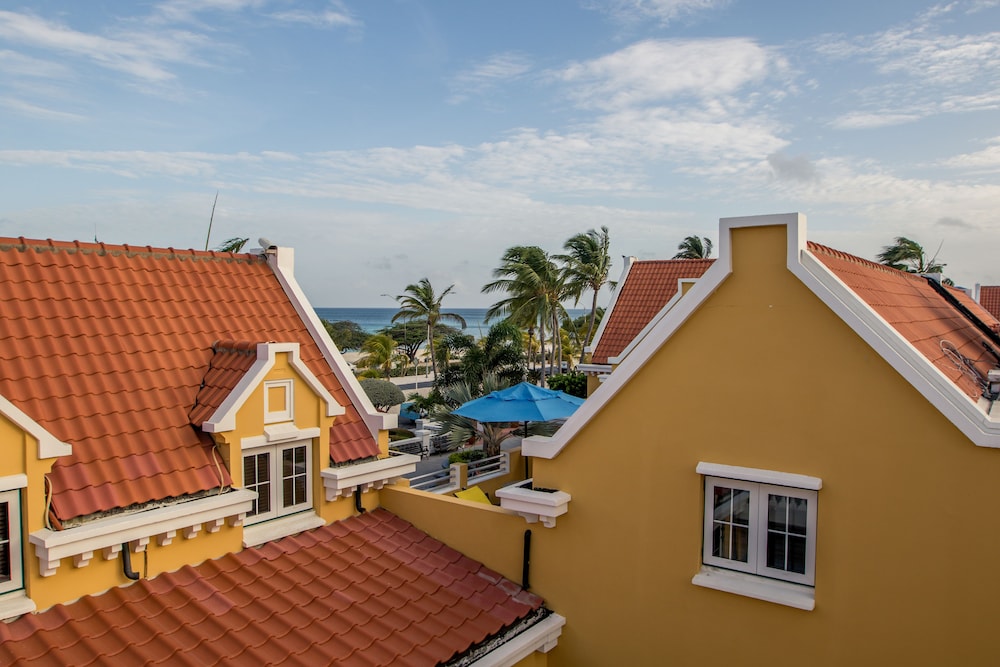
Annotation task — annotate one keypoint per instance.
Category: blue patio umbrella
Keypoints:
(523, 402)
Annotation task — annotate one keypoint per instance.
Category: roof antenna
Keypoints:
(210, 219)
(95, 233)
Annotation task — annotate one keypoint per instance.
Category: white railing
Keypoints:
(440, 481)
(450, 480)
(484, 469)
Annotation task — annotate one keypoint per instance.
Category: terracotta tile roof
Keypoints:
(989, 297)
(937, 329)
(230, 362)
(648, 287)
(106, 347)
(369, 590)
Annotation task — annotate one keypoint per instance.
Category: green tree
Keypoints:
(535, 288)
(586, 266)
(573, 383)
(380, 352)
(498, 354)
(346, 335)
(382, 393)
(234, 244)
(419, 302)
(694, 247)
(908, 255)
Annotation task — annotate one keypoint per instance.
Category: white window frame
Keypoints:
(277, 510)
(285, 415)
(12, 500)
(758, 528)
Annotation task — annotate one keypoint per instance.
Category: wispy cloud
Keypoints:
(661, 11)
(35, 111)
(988, 158)
(484, 76)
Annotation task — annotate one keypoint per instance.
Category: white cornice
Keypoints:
(49, 446)
(532, 504)
(542, 637)
(282, 262)
(224, 418)
(344, 480)
(137, 528)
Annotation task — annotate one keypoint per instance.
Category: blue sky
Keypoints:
(389, 140)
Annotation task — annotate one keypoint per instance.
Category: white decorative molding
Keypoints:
(366, 476)
(224, 418)
(759, 475)
(760, 588)
(275, 529)
(13, 482)
(542, 637)
(594, 369)
(135, 528)
(532, 504)
(49, 446)
(15, 604)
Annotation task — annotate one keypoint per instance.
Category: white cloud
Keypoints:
(864, 120)
(654, 71)
(661, 11)
(36, 111)
(988, 158)
(478, 79)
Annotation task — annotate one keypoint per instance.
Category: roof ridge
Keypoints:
(819, 248)
(23, 244)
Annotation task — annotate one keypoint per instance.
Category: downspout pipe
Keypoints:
(526, 561)
(357, 501)
(127, 563)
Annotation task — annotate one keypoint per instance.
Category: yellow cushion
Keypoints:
(473, 493)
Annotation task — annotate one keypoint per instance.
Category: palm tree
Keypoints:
(535, 290)
(380, 352)
(233, 245)
(694, 247)
(908, 255)
(586, 267)
(419, 302)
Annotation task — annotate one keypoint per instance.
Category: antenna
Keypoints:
(210, 219)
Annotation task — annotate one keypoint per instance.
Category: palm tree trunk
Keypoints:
(430, 343)
(590, 328)
(541, 346)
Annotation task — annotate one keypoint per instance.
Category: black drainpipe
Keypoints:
(357, 501)
(526, 561)
(127, 563)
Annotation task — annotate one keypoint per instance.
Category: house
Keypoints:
(182, 419)
(988, 297)
(790, 467)
(646, 290)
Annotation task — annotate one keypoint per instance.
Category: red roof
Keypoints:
(989, 297)
(369, 590)
(647, 288)
(106, 347)
(935, 327)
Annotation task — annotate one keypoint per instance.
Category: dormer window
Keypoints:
(281, 476)
(278, 401)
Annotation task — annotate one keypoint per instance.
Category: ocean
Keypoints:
(373, 319)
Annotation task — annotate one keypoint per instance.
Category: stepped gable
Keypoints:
(369, 590)
(106, 348)
(647, 288)
(911, 306)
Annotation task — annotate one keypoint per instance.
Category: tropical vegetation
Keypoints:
(420, 303)
(694, 247)
(382, 393)
(345, 334)
(586, 265)
(908, 255)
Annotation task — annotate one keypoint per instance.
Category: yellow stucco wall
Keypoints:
(763, 375)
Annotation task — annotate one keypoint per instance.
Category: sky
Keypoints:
(392, 140)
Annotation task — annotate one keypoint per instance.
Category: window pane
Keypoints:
(256, 477)
(263, 504)
(723, 503)
(5, 564)
(777, 512)
(741, 507)
(796, 554)
(300, 489)
(797, 515)
(287, 494)
(720, 540)
(776, 550)
(741, 544)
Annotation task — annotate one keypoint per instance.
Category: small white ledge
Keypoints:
(275, 529)
(14, 604)
(541, 637)
(761, 588)
(108, 534)
(534, 505)
(371, 475)
(759, 475)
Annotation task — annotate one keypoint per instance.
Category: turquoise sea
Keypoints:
(373, 319)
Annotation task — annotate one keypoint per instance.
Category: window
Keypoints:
(11, 578)
(761, 529)
(280, 474)
(278, 401)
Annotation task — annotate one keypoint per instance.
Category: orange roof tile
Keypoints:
(369, 590)
(989, 297)
(646, 289)
(936, 328)
(106, 347)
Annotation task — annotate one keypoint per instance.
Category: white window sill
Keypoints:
(753, 586)
(14, 604)
(275, 529)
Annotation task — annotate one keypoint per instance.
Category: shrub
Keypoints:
(399, 434)
(467, 456)
(573, 383)
(382, 393)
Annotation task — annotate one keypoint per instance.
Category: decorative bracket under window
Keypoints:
(366, 476)
(534, 504)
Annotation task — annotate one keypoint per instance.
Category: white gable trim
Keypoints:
(224, 418)
(656, 318)
(49, 446)
(629, 263)
(282, 261)
(967, 415)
